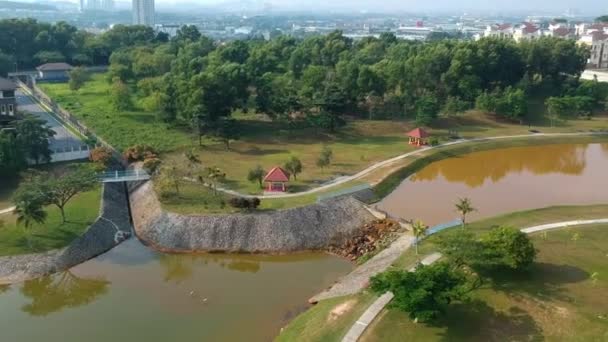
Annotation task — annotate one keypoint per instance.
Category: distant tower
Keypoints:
(107, 5)
(143, 12)
(81, 8)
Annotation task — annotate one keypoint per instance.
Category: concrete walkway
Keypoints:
(384, 163)
(7, 210)
(357, 329)
(358, 279)
(372, 312)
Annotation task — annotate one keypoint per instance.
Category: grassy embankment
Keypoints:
(356, 146)
(558, 289)
(81, 212)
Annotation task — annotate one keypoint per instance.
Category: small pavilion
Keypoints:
(276, 180)
(418, 137)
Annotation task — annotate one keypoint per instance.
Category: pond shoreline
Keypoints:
(108, 231)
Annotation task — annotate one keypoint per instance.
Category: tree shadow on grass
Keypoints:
(543, 281)
(477, 321)
(59, 236)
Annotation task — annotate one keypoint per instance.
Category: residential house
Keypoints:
(561, 32)
(499, 31)
(526, 31)
(8, 101)
(54, 72)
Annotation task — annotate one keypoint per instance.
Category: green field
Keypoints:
(359, 144)
(391, 325)
(81, 212)
(91, 105)
(562, 298)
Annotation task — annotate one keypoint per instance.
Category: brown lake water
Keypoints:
(135, 294)
(503, 181)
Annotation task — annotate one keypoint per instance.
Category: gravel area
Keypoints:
(312, 227)
(111, 228)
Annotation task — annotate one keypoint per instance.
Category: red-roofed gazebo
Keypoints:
(276, 180)
(418, 137)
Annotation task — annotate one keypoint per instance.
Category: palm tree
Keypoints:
(419, 229)
(28, 213)
(464, 207)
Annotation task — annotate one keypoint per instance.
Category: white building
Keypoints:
(499, 31)
(597, 41)
(143, 12)
(526, 31)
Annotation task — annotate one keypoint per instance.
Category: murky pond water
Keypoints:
(505, 180)
(135, 294)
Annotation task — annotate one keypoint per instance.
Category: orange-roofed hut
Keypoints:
(418, 137)
(276, 180)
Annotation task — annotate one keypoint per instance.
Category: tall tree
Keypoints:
(63, 189)
(419, 230)
(464, 207)
(293, 166)
(33, 137)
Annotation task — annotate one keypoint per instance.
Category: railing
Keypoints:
(123, 176)
(68, 118)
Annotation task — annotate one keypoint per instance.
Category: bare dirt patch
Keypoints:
(341, 309)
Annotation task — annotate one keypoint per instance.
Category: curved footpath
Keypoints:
(358, 328)
(312, 227)
(7, 210)
(384, 163)
(110, 229)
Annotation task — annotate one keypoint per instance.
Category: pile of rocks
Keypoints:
(370, 238)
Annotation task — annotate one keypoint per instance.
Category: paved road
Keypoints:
(602, 76)
(63, 139)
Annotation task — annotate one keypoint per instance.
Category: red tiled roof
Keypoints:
(277, 174)
(562, 31)
(529, 28)
(503, 27)
(418, 133)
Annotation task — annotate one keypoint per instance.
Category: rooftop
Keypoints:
(6, 84)
(54, 67)
(277, 174)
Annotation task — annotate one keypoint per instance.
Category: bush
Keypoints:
(245, 203)
(101, 156)
(150, 165)
(514, 247)
(139, 153)
(434, 141)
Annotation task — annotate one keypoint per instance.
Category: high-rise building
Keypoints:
(143, 12)
(93, 5)
(107, 5)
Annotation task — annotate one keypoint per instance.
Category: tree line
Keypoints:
(27, 43)
(27, 141)
(194, 80)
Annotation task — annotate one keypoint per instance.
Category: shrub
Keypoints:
(434, 141)
(151, 165)
(139, 153)
(101, 156)
(245, 203)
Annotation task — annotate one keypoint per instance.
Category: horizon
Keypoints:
(385, 6)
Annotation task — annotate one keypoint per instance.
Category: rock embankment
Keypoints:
(313, 227)
(111, 228)
(368, 240)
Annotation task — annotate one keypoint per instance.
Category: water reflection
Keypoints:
(502, 181)
(474, 169)
(65, 290)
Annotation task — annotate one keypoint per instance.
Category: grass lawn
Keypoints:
(391, 320)
(562, 298)
(329, 320)
(356, 146)
(81, 212)
(91, 104)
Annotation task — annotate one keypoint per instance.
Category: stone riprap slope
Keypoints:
(313, 227)
(111, 228)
